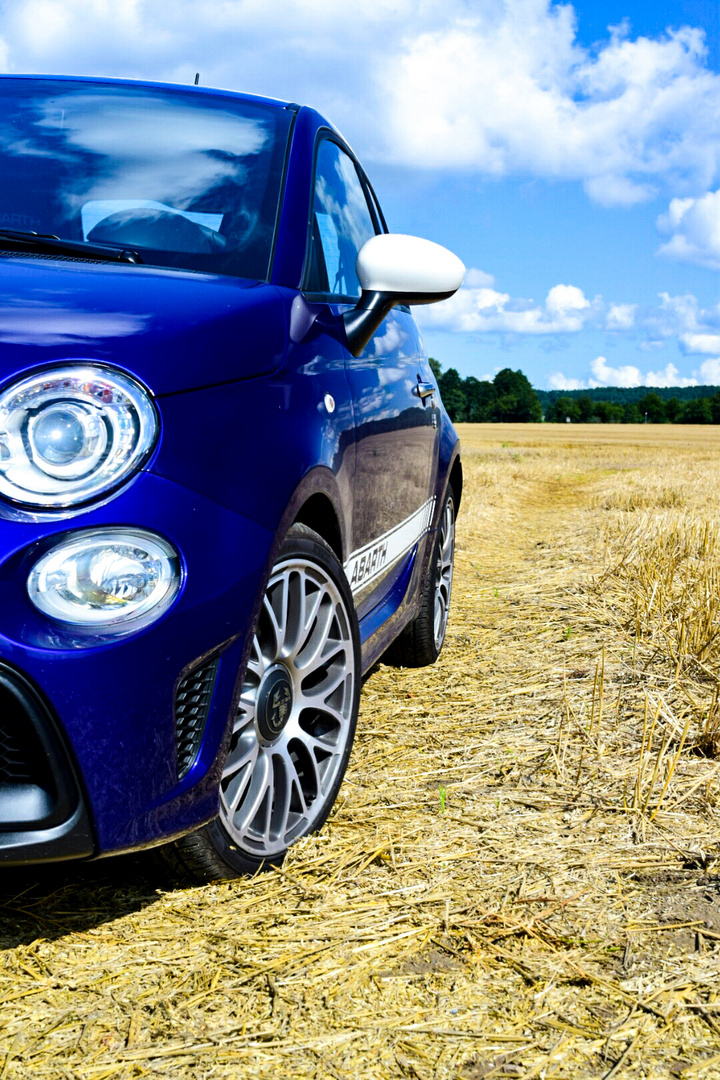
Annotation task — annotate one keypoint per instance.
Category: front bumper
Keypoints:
(129, 732)
(42, 813)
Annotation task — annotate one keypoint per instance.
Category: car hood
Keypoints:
(175, 330)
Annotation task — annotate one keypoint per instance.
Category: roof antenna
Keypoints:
(197, 77)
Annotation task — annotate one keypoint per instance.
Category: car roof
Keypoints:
(187, 88)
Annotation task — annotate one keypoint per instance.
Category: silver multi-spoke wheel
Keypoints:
(296, 716)
(445, 552)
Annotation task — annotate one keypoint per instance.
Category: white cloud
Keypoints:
(480, 309)
(558, 381)
(603, 374)
(566, 300)
(628, 375)
(509, 90)
(620, 316)
(710, 372)
(701, 343)
(694, 228)
(680, 317)
(479, 279)
(675, 320)
(500, 87)
(669, 376)
(312, 51)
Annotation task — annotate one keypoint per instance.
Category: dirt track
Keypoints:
(486, 900)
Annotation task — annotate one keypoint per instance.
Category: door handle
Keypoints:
(424, 390)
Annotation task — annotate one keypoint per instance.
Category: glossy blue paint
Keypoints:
(240, 372)
(173, 329)
(393, 596)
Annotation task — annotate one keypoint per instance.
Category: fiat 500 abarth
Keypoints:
(227, 481)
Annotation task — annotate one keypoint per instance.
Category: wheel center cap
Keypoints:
(274, 705)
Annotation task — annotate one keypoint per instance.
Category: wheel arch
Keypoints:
(320, 515)
(456, 480)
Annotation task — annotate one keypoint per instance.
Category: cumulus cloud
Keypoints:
(626, 375)
(694, 229)
(558, 381)
(477, 308)
(701, 343)
(605, 375)
(710, 372)
(620, 316)
(479, 279)
(678, 321)
(501, 87)
(510, 90)
(669, 376)
(696, 329)
(313, 51)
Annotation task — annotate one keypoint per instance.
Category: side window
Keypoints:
(340, 226)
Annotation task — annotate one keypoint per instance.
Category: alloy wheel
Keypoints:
(295, 717)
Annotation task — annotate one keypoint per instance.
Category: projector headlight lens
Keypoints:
(114, 580)
(71, 433)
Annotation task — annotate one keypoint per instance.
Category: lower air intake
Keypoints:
(36, 785)
(193, 698)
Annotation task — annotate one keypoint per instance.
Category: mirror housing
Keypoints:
(397, 269)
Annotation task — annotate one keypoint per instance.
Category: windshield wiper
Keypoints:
(50, 242)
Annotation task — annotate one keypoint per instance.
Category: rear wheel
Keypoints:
(295, 721)
(421, 641)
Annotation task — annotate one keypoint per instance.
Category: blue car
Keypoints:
(228, 485)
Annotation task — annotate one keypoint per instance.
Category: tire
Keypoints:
(421, 642)
(295, 721)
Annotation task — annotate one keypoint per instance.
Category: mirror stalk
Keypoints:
(372, 307)
(363, 320)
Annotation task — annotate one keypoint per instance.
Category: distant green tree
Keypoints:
(586, 406)
(453, 394)
(631, 414)
(516, 400)
(435, 367)
(698, 411)
(608, 412)
(652, 408)
(715, 407)
(673, 408)
(480, 398)
(562, 409)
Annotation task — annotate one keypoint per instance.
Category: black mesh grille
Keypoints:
(192, 705)
(45, 255)
(16, 754)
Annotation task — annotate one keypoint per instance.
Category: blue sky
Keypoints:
(570, 154)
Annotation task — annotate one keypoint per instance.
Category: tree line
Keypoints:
(510, 398)
(649, 409)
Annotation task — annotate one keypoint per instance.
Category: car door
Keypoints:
(395, 418)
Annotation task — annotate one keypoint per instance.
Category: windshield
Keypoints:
(187, 179)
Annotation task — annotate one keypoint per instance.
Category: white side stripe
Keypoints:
(369, 562)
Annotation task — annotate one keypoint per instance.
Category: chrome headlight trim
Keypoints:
(68, 434)
(111, 580)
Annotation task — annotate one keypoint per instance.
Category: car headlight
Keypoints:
(70, 433)
(108, 580)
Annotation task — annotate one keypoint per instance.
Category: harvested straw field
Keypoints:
(520, 877)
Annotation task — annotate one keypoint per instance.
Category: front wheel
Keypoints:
(422, 639)
(295, 721)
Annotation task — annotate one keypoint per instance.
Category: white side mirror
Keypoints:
(393, 263)
(396, 269)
